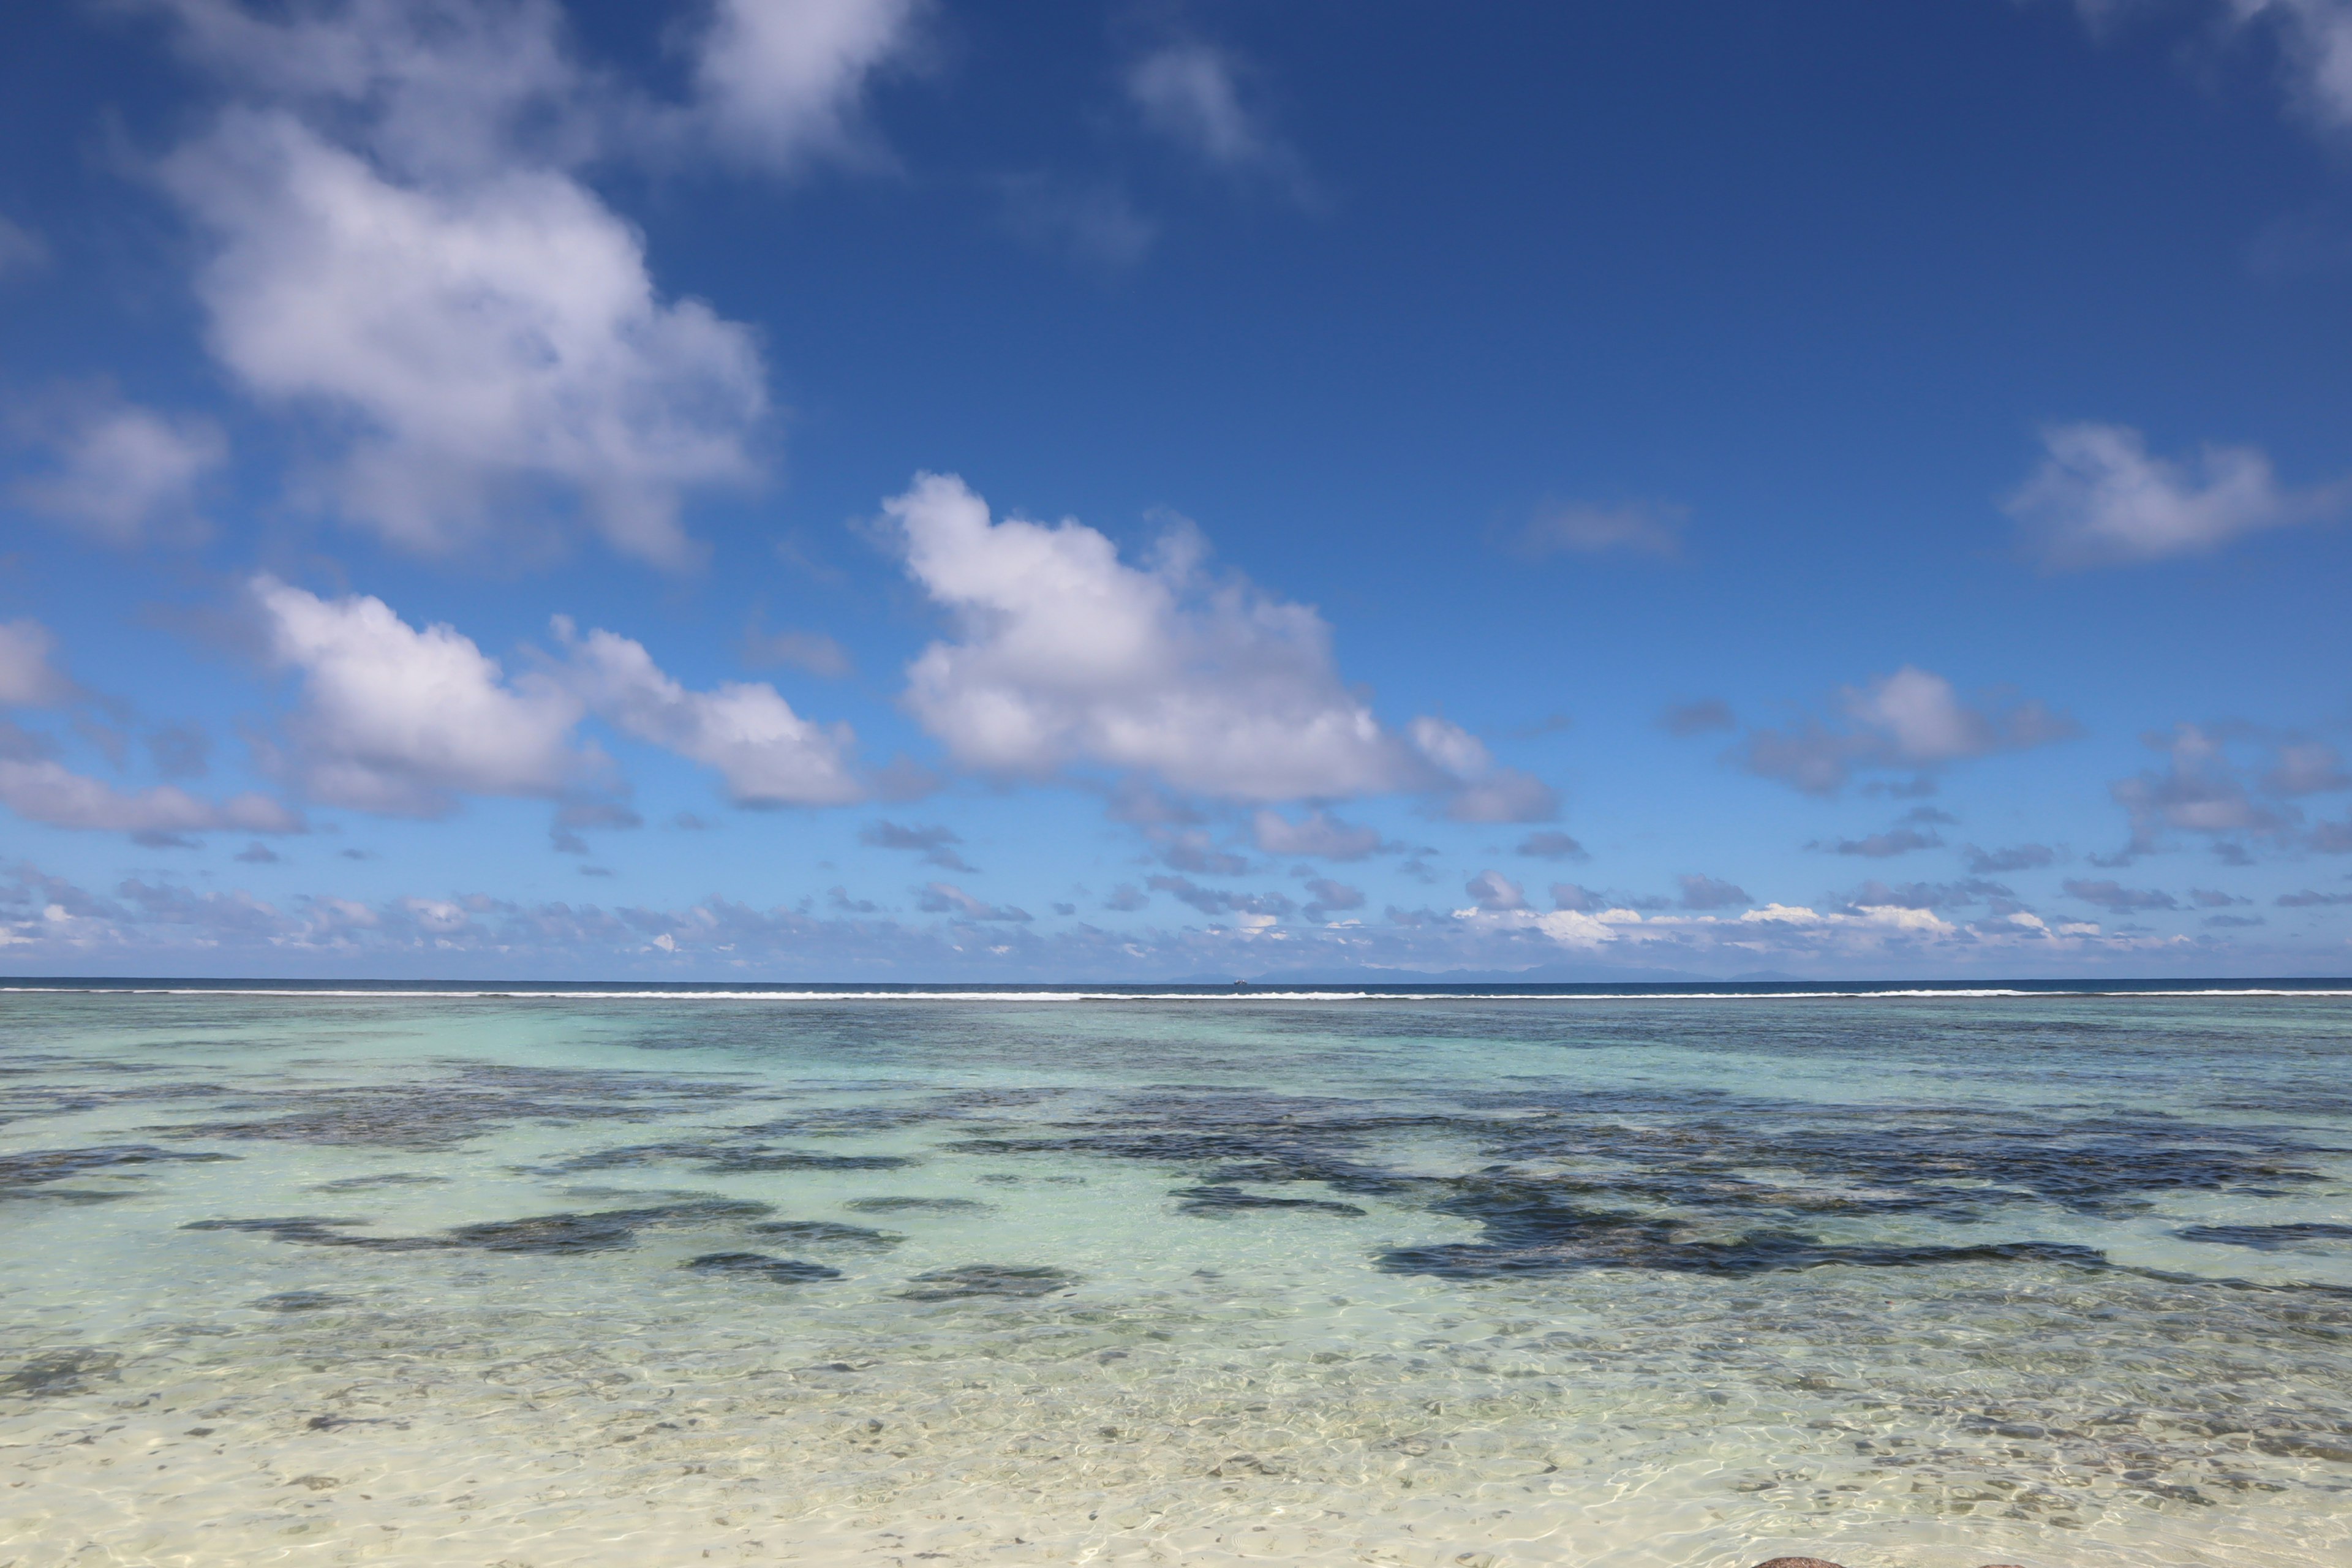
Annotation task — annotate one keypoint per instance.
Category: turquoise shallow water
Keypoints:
(1932, 1280)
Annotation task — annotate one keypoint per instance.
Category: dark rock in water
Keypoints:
(64, 1194)
(1531, 1230)
(2267, 1237)
(1687, 1152)
(637, 1193)
(65, 1371)
(441, 1114)
(918, 1205)
(987, 1279)
(299, 1302)
(785, 1270)
(38, 1167)
(598, 1231)
(790, 1159)
(717, 1155)
(825, 1232)
(391, 1179)
(547, 1233)
(318, 1231)
(1231, 1200)
(602, 1231)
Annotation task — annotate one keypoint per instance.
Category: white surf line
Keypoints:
(497, 993)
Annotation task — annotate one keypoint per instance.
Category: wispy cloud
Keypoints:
(935, 844)
(1653, 529)
(1199, 97)
(116, 472)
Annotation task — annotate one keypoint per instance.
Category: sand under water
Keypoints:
(1921, 1281)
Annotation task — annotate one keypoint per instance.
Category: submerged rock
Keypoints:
(389, 1179)
(478, 1098)
(825, 1232)
(63, 1371)
(785, 1270)
(1531, 1229)
(2265, 1238)
(987, 1279)
(547, 1233)
(38, 1167)
(918, 1205)
(730, 1157)
(1231, 1200)
(299, 1302)
(794, 1159)
(602, 1231)
(320, 1231)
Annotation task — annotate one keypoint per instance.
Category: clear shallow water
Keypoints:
(593, 1279)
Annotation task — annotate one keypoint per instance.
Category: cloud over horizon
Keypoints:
(1911, 719)
(1065, 654)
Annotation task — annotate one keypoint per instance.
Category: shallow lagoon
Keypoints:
(1931, 1280)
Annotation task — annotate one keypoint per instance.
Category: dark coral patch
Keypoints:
(1232, 1200)
(39, 1167)
(988, 1279)
(317, 1230)
(604, 1231)
(2267, 1237)
(1528, 1229)
(784, 1271)
(391, 1179)
(825, 1232)
(598, 1231)
(300, 1302)
(719, 1156)
(442, 1113)
(63, 1371)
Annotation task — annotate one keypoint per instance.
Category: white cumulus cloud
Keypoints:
(403, 721)
(2100, 498)
(1066, 655)
(1911, 719)
(395, 242)
(766, 753)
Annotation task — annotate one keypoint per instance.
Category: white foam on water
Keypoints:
(648, 994)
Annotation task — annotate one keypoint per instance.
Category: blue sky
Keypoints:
(837, 489)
